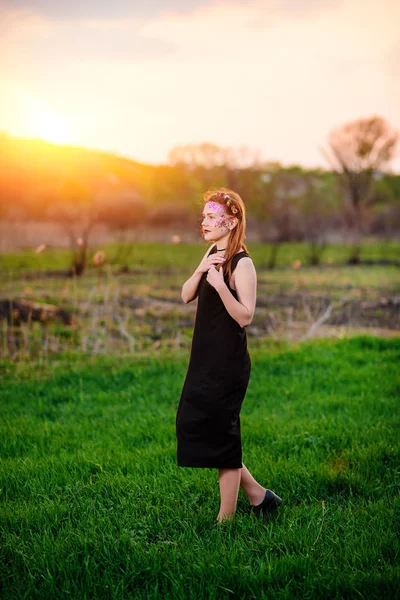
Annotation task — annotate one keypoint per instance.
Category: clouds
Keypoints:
(61, 10)
(275, 75)
(106, 9)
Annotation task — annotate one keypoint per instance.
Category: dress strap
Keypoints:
(236, 258)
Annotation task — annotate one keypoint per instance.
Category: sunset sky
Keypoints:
(140, 77)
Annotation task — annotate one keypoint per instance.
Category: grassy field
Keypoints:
(145, 256)
(131, 312)
(94, 506)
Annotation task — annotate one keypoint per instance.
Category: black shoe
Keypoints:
(268, 505)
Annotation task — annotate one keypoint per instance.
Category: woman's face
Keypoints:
(215, 223)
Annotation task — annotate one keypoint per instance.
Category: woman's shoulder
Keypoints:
(244, 260)
(244, 252)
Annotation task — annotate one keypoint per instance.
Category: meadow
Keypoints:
(184, 256)
(123, 309)
(92, 504)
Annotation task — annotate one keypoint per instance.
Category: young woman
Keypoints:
(207, 419)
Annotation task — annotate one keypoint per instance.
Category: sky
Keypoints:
(139, 77)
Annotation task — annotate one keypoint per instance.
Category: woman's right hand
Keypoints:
(208, 261)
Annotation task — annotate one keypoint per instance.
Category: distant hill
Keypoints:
(34, 171)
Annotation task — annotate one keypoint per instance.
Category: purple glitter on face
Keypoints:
(215, 207)
(222, 223)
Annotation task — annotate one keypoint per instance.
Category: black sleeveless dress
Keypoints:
(207, 419)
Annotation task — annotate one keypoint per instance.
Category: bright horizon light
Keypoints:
(139, 79)
(35, 118)
(50, 127)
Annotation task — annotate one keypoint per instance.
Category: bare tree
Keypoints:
(358, 151)
(214, 165)
(75, 212)
(318, 213)
(121, 210)
(205, 155)
(278, 216)
(81, 206)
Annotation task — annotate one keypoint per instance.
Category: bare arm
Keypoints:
(242, 310)
(190, 287)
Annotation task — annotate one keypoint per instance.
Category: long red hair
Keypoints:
(238, 233)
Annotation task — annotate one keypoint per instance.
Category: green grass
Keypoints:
(151, 309)
(94, 506)
(183, 256)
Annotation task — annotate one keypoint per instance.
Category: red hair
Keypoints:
(233, 207)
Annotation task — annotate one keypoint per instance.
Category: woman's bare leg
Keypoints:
(253, 490)
(229, 481)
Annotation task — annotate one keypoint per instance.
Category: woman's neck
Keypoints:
(222, 243)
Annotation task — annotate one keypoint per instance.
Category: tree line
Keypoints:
(78, 188)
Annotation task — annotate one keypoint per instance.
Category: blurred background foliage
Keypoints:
(79, 190)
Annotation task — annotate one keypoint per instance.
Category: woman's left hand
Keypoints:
(215, 277)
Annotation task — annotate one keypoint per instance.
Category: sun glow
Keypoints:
(31, 116)
(50, 127)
